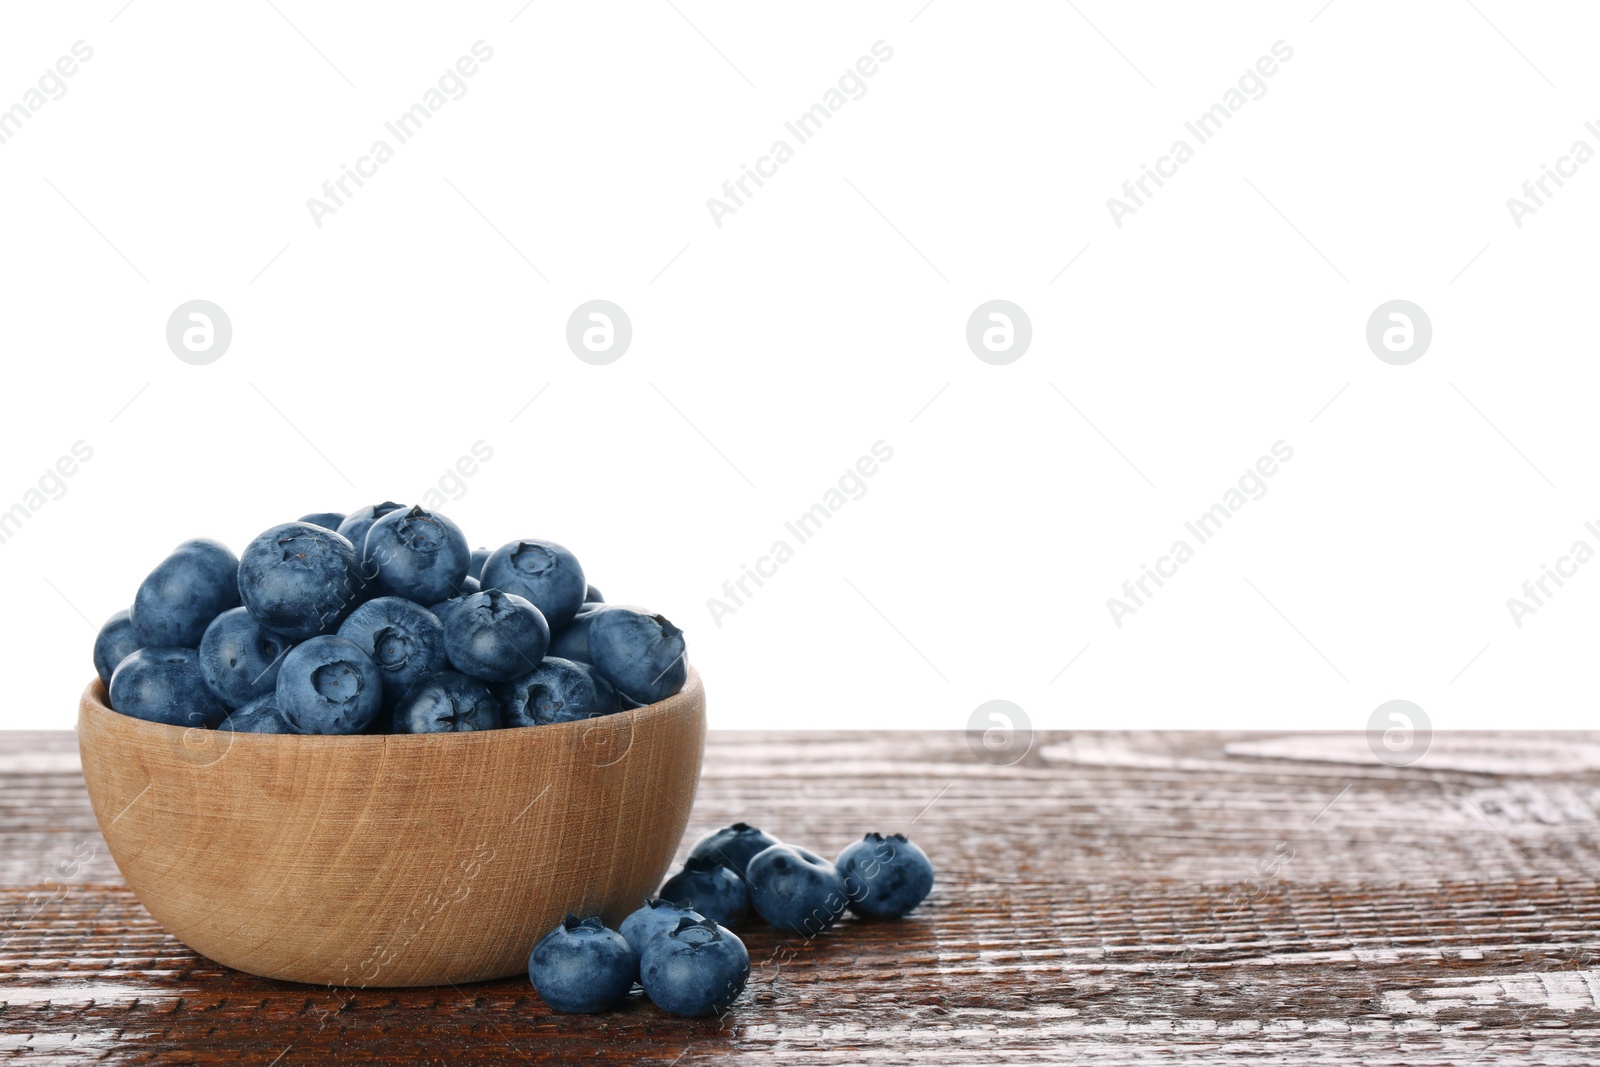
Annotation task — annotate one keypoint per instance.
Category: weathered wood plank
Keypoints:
(1113, 898)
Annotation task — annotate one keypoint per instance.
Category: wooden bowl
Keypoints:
(391, 860)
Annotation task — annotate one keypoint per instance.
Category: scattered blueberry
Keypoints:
(713, 890)
(114, 643)
(557, 690)
(300, 580)
(415, 553)
(696, 968)
(581, 967)
(591, 595)
(795, 890)
(475, 564)
(468, 586)
(358, 522)
(541, 571)
(184, 593)
(240, 658)
(884, 876)
(404, 639)
(732, 846)
(260, 716)
(642, 655)
(165, 685)
(329, 686)
(444, 703)
(656, 917)
(495, 636)
(328, 520)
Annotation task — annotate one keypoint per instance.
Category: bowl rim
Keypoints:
(96, 702)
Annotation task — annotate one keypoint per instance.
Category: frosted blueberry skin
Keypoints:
(732, 846)
(542, 572)
(300, 580)
(415, 553)
(713, 890)
(656, 917)
(697, 968)
(240, 658)
(795, 889)
(495, 636)
(446, 702)
(581, 967)
(404, 639)
(328, 520)
(115, 642)
(260, 716)
(356, 524)
(177, 600)
(558, 690)
(592, 595)
(475, 564)
(329, 686)
(643, 655)
(884, 876)
(165, 685)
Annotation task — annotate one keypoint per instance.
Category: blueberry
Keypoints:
(328, 520)
(358, 522)
(732, 846)
(656, 917)
(188, 589)
(329, 686)
(581, 967)
(475, 564)
(642, 655)
(591, 595)
(884, 876)
(260, 716)
(403, 638)
(444, 703)
(300, 580)
(115, 643)
(495, 636)
(240, 658)
(445, 607)
(795, 890)
(415, 553)
(468, 586)
(165, 685)
(558, 690)
(572, 641)
(541, 571)
(696, 968)
(713, 890)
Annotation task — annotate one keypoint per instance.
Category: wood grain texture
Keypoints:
(1113, 898)
(390, 860)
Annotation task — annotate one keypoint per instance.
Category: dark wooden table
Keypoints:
(1112, 898)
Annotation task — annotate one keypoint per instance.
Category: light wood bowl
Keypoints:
(391, 860)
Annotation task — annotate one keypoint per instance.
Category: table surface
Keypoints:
(1111, 898)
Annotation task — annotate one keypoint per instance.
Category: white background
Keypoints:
(829, 313)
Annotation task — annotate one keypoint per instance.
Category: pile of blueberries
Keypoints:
(380, 621)
(679, 946)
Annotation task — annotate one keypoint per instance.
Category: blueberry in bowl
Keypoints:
(542, 572)
(444, 703)
(340, 843)
(557, 690)
(300, 580)
(495, 636)
(184, 593)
